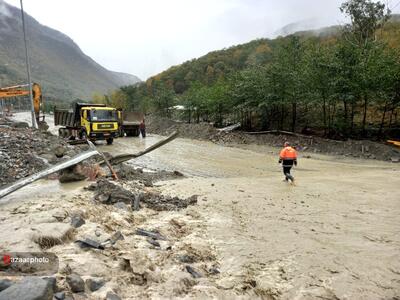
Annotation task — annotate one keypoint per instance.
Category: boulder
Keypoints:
(77, 221)
(60, 151)
(72, 174)
(20, 125)
(76, 283)
(94, 283)
(30, 288)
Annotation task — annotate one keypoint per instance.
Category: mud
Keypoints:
(312, 144)
(250, 236)
(107, 192)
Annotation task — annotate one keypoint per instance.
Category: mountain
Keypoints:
(218, 65)
(57, 62)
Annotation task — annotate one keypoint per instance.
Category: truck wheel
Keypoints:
(109, 141)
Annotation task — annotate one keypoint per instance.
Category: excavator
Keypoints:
(23, 90)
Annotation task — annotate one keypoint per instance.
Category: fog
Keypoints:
(146, 37)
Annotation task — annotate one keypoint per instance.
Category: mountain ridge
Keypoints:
(64, 71)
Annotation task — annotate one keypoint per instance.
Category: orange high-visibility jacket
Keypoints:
(288, 153)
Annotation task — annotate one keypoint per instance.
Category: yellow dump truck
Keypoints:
(88, 121)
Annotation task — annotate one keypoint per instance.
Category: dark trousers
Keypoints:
(286, 171)
(143, 132)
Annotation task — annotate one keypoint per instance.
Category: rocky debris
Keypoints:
(77, 221)
(153, 242)
(115, 238)
(151, 234)
(89, 243)
(94, 283)
(127, 172)
(29, 288)
(160, 202)
(110, 193)
(112, 296)
(76, 283)
(193, 272)
(5, 283)
(107, 192)
(25, 151)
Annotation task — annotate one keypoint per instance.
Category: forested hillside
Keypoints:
(338, 81)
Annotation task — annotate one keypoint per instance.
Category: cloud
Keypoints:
(144, 37)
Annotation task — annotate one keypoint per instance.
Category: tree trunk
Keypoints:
(324, 112)
(294, 116)
(382, 122)
(365, 114)
(346, 122)
(352, 117)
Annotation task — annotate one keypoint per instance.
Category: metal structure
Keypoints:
(28, 67)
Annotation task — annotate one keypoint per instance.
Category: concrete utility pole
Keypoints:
(28, 68)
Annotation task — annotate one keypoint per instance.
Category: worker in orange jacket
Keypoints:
(288, 158)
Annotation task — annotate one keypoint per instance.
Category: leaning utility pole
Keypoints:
(28, 68)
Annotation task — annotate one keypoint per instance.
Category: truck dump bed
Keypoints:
(132, 118)
(64, 117)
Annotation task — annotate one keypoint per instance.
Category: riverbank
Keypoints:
(248, 235)
(310, 144)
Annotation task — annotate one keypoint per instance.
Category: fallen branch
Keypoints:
(280, 132)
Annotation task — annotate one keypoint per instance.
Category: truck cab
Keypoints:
(99, 123)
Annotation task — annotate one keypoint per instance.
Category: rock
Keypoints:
(94, 283)
(72, 174)
(112, 296)
(59, 296)
(121, 205)
(20, 125)
(60, 151)
(188, 259)
(77, 221)
(395, 159)
(5, 283)
(52, 281)
(76, 283)
(30, 288)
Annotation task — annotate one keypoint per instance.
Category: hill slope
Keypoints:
(57, 63)
(219, 64)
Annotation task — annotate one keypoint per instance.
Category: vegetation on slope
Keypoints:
(339, 82)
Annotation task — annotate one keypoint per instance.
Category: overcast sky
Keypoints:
(145, 37)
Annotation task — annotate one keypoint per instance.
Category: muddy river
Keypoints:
(332, 236)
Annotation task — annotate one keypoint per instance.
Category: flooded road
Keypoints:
(332, 236)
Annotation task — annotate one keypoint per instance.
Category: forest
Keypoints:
(339, 82)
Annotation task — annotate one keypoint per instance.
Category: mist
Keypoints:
(146, 37)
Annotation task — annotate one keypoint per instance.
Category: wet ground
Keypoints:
(332, 236)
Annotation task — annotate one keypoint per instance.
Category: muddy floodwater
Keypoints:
(334, 235)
